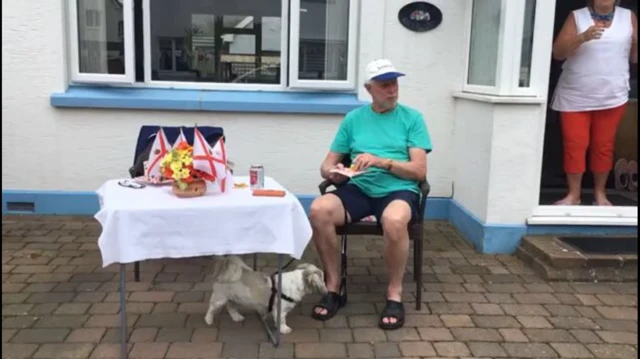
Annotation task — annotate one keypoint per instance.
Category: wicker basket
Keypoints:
(196, 188)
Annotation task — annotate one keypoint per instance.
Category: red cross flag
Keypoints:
(159, 149)
(204, 159)
(179, 140)
(220, 158)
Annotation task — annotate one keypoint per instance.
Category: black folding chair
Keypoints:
(147, 135)
(416, 234)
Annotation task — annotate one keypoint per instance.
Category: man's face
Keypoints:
(384, 93)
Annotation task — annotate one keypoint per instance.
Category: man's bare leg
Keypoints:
(395, 220)
(326, 213)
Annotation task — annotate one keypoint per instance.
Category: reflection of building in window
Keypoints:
(248, 49)
(100, 37)
(315, 55)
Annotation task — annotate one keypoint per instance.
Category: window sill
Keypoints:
(520, 100)
(202, 100)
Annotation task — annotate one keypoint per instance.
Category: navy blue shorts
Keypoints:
(359, 205)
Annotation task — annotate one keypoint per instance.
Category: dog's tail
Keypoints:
(228, 268)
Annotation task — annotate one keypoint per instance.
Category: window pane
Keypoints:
(100, 37)
(216, 41)
(527, 43)
(324, 36)
(485, 34)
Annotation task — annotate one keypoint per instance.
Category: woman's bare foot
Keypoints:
(601, 199)
(569, 200)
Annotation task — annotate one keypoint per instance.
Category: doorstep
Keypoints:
(555, 259)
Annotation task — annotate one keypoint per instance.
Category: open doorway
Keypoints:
(553, 181)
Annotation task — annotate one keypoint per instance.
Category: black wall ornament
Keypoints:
(420, 16)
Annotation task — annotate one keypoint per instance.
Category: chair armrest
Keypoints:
(324, 186)
(425, 188)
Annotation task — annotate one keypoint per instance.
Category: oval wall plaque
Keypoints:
(420, 16)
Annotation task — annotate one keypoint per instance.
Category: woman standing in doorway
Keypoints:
(597, 42)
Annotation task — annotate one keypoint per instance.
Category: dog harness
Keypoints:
(274, 291)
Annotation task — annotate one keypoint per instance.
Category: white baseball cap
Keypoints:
(382, 70)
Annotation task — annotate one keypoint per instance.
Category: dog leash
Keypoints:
(283, 268)
(274, 290)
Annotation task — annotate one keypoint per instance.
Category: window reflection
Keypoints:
(216, 41)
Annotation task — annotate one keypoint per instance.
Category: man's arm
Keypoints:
(415, 169)
(332, 159)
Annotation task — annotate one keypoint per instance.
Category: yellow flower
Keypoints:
(176, 166)
(167, 158)
(184, 173)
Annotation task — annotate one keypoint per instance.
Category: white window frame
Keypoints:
(512, 15)
(585, 215)
(290, 16)
(129, 48)
(294, 48)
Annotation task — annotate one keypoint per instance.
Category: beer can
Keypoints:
(256, 177)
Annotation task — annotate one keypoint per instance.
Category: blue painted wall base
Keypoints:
(486, 238)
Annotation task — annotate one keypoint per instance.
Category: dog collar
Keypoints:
(274, 291)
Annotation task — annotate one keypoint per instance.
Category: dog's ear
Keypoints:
(314, 278)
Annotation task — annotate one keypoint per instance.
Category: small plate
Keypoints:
(153, 182)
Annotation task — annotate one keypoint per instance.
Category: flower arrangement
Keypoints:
(177, 165)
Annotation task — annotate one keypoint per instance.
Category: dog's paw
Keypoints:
(236, 317)
(208, 319)
(284, 329)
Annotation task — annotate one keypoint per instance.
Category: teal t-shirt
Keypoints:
(388, 136)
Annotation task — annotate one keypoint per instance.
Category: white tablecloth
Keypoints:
(152, 223)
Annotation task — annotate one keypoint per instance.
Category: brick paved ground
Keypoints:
(58, 302)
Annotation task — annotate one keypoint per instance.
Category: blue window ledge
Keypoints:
(203, 100)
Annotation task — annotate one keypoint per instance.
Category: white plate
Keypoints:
(153, 182)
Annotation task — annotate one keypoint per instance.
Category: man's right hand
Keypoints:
(336, 177)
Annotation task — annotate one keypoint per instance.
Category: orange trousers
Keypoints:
(592, 130)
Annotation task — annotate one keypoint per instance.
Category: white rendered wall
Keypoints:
(77, 149)
(472, 155)
(516, 158)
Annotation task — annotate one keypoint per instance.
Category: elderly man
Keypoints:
(389, 142)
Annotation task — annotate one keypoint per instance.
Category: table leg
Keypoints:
(279, 297)
(123, 312)
(274, 338)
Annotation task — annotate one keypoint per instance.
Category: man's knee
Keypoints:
(324, 209)
(395, 219)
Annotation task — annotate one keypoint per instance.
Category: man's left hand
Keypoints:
(366, 160)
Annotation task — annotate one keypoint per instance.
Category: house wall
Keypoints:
(46, 148)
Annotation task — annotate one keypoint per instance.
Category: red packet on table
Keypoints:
(268, 193)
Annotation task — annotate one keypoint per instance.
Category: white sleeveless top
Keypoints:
(596, 76)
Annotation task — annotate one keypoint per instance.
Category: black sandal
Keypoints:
(331, 302)
(392, 309)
